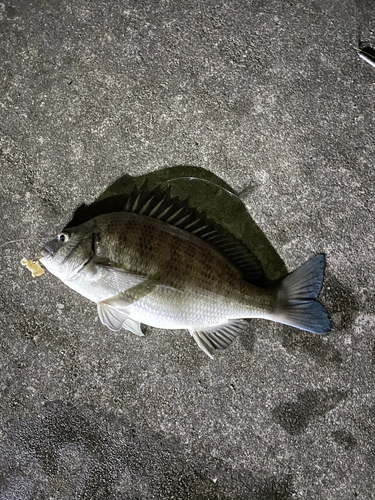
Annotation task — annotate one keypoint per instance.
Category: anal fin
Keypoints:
(206, 348)
(219, 336)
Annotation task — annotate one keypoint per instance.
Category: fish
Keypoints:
(161, 263)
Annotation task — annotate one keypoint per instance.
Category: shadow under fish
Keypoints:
(144, 255)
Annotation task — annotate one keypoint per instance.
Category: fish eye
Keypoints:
(64, 237)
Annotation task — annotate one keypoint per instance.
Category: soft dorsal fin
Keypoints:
(160, 205)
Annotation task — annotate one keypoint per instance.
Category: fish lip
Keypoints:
(46, 253)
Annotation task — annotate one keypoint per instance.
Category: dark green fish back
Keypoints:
(159, 204)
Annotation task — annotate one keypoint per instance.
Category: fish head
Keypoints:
(69, 252)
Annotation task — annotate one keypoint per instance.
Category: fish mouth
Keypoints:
(45, 253)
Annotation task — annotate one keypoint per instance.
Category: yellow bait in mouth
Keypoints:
(33, 266)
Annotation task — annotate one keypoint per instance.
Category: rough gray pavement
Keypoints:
(271, 98)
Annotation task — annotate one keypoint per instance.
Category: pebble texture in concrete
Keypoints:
(271, 98)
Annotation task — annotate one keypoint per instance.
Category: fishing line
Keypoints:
(187, 178)
(43, 236)
(13, 241)
(358, 15)
(206, 181)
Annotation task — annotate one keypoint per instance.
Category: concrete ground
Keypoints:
(271, 98)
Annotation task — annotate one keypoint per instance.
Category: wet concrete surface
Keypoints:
(269, 97)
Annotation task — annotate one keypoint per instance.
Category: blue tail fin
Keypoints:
(297, 294)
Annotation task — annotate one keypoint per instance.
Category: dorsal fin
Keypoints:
(160, 205)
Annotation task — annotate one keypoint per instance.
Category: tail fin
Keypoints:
(297, 294)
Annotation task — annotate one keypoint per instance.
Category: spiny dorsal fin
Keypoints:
(160, 205)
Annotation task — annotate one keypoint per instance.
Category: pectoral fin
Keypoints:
(114, 312)
(114, 277)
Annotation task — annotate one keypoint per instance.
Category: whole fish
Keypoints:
(161, 263)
